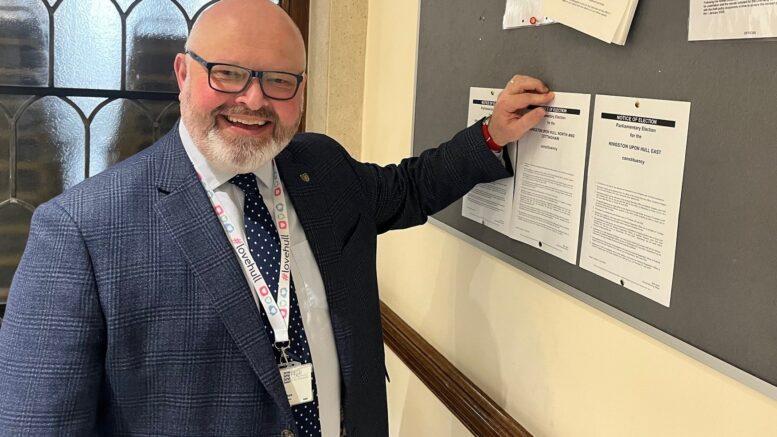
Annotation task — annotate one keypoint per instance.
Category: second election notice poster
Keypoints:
(635, 178)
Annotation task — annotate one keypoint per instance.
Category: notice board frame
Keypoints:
(723, 310)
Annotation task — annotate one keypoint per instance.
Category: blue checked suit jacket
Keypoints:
(129, 314)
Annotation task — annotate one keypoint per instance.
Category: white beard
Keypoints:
(242, 157)
(237, 155)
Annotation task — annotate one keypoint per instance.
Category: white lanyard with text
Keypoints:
(277, 312)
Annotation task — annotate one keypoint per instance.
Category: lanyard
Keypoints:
(277, 312)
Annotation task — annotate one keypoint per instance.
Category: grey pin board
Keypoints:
(724, 294)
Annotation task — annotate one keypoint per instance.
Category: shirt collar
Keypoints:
(212, 176)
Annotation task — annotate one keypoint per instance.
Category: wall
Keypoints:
(335, 92)
(558, 366)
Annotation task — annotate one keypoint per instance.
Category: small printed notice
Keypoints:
(550, 166)
(635, 178)
(732, 19)
(607, 20)
(491, 203)
(523, 13)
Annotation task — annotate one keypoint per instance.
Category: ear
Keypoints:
(303, 85)
(180, 70)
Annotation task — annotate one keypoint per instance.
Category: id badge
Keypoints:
(298, 381)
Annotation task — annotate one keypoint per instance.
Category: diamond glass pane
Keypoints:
(50, 150)
(14, 227)
(156, 31)
(5, 153)
(24, 42)
(87, 45)
(119, 130)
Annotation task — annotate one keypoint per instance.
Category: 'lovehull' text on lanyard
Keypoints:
(277, 311)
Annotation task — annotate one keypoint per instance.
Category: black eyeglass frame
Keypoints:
(252, 74)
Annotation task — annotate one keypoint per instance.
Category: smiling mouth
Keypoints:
(245, 123)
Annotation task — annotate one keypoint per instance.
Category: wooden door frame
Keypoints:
(299, 11)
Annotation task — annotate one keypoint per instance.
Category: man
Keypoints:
(222, 282)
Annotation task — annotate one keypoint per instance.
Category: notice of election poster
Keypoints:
(732, 19)
(491, 203)
(635, 178)
(549, 169)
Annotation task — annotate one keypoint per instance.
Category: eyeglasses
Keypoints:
(234, 79)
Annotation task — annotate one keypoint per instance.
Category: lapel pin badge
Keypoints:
(305, 177)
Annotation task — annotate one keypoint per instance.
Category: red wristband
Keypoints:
(490, 141)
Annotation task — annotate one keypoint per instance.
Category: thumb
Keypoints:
(519, 126)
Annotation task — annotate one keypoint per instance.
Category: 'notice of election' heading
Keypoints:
(557, 110)
(637, 119)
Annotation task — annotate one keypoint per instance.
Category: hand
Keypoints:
(511, 119)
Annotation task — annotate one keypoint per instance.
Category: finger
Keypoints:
(506, 127)
(521, 101)
(528, 121)
(521, 84)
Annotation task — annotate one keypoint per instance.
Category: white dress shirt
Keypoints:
(308, 283)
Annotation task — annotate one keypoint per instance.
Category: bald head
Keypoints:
(259, 30)
(242, 130)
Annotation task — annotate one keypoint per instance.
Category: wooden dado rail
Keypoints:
(479, 413)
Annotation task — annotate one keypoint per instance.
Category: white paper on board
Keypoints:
(491, 203)
(732, 19)
(524, 13)
(635, 175)
(607, 20)
(549, 172)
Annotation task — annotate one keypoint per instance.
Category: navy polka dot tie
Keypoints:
(264, 244)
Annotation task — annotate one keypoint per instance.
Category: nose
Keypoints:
(252, 97)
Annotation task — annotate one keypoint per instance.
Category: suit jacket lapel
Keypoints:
(305, 193)
(189, 218)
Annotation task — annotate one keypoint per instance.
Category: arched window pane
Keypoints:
(87, 45)
(24, 42)
(125, 4)
(156, 31)
(12, 102)
(168, 117)
(164, 113)
(50, 150)
(88, 104)
(14, 227)
(193, 6)
(119, 130)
